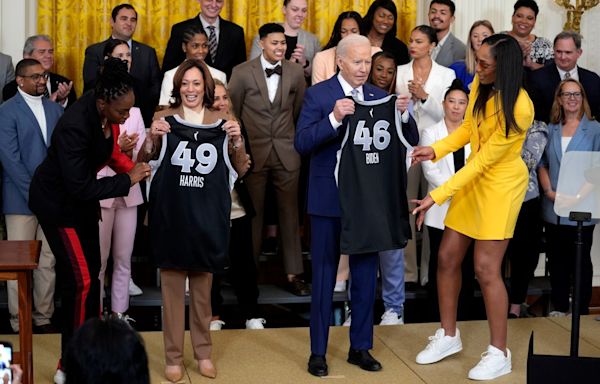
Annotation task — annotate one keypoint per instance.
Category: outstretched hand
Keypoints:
(422, 154)
(422, 207)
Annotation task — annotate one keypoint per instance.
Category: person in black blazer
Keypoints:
(542, 83)
(231, 47)
(60, 89)
(144, 63)
(382, 32)
(64, 192)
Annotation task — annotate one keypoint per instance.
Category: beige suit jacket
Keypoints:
(268, 128)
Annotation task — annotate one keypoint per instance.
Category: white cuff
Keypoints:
(334, 123)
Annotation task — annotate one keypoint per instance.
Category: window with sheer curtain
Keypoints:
(75, 24)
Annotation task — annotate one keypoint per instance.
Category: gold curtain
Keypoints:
(75, 24)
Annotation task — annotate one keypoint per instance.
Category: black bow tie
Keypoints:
(276, 69)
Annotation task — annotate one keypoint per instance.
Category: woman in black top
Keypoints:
(380, 26)
(64, 191)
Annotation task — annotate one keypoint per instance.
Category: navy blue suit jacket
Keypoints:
(23, 149)
(541, 85)
(316, 137)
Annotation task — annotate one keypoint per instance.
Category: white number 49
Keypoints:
(206, 156)
(381, 137)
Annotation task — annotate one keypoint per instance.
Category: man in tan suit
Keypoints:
(267, 94)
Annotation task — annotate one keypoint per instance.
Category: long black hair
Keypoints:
(336, 34)
(368, 19)
(114, 80)
(509, 78)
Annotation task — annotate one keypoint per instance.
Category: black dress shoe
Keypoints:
(44, 329)
(317, 365)
(298, 287)
(364, 360)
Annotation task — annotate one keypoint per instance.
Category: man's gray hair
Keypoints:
(28, 47)
(569, 35)
(349, 41)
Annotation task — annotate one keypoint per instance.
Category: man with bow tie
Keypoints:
(267, 93)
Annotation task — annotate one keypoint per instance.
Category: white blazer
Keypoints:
(437, 173)
(431, 111)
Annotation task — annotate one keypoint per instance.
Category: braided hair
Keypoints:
(114, 80)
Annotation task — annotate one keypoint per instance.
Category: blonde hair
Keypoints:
(557, 115)
(470, 56)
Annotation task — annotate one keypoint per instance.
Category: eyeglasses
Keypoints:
(37, 76)
(568, 95)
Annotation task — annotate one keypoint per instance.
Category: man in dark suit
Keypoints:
(319, 134)
(27, 121)
(449, 49)
(144, 63)
(58, 88)
(266, 94)
(227, 47)
(541, 84)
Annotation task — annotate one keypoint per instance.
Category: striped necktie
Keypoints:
(212, 43)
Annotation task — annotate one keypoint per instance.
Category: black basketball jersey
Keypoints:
(190, 200)
(371, 178)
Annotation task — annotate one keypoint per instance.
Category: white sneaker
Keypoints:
(60, 377)
(340, 286)
(134, 290)
(348, 321)
(216, 325)
(390, 317)
(557, 314)
(255, 323)
(123, 317)
(439, 347)
(493, 364)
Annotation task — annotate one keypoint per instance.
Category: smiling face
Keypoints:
(455, 105)
(274, 47)
(33, 80)
(197, 48)
(42, 52)
(211, 9)
(419, 45)
(295, 13)
(384, 70)
(221, 99)
(571, 98)
(123, 27)
(122, 52)
(383, 20)
(523, 21)
(486, 65)
(440, 17)
(349, 27)
(478, 34)
(192, 89)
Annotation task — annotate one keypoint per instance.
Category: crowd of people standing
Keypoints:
(485, 124)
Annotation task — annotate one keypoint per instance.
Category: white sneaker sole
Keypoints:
(504, 371)
(442, 356)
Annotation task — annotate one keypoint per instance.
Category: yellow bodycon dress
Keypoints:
(488, 191)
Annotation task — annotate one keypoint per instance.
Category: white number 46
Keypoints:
(381, 137)
(206, 156)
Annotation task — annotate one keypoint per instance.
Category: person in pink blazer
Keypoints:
(119, 215)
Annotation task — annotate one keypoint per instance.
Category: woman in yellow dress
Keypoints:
(486, 194)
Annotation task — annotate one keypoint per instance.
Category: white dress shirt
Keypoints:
(273, 80)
